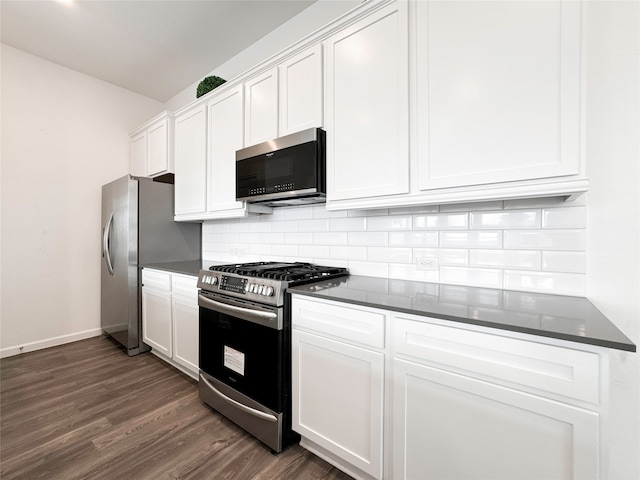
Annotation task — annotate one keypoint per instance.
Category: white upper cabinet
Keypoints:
(261, 108)
(191, 161)
(367, 107)
(498, 91)
(152, 147)
(139, 154)
(208, 133)
(225, 134)
(301, 91)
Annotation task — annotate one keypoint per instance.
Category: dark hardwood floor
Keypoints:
(86, 410)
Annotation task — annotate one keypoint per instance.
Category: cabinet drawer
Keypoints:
(156, 279)
(349, 323)
(185, 285)
(562, 371)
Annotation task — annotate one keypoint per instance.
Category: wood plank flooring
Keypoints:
(86, 410)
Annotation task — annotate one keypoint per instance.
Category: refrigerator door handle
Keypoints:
(106, 235)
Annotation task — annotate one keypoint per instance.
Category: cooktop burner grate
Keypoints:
(285, 272)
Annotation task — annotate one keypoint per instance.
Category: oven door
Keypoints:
(242, 346)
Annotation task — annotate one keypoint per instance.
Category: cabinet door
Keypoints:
(190, 161)
(225, 137)
(158, 145)
(156, 320)
(301, 91)
(451, 426)
(338, 399)
(139, 154)
(261, 109)
(367, 107)
(185, 332)
(498, 91)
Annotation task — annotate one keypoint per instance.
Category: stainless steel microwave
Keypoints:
(289, 170)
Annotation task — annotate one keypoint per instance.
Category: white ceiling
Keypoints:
(153, 47)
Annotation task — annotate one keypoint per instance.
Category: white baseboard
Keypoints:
(49, 342)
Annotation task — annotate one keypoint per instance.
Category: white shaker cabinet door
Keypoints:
(185, 332)
(261, 108)
(498, 91)
(337, 396)
(301, 91)
(191, 161)
(225, 137)
(139, 154)
(367, 107)
(156, 320)
(160, 141)
(451, 426)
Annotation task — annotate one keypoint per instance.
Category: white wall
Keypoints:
(613, 213)
(64, 135)
(306, 22)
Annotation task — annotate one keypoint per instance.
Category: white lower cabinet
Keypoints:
(338, 387)
(452, 426)
(387, 395)
(170, 318)
(156, 320)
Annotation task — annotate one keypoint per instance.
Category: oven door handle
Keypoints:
(249, 314)
(241, 406)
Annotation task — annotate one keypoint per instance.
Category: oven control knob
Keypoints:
(268, 291)
(206, 279)
(260, 289)
(213, 280)
(251, 288)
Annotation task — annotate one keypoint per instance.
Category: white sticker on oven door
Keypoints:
(234, 360)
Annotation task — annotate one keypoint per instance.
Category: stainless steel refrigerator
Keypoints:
(137, 229)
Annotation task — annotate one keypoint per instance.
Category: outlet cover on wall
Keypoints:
(427, 263)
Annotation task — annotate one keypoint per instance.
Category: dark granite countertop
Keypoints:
(574, 319)
(187, 267)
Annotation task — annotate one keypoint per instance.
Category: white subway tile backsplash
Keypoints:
(568, 262)
(358, 224)
(330, 238)
(273, 238)
(389, 223)
(369, 269)
(285, 250)
(569, 217)
(413, 239)
(317, 225)
(471, 239)
(298, 238)
(545, 282)
(410, 272)
(390, 255)
(477, 277)
(505, 220)
(315, 251)
(573, 240)
(442, 221)
(536, 245)
(368, 238)
(348, 253)
(285, 226)
(520, 259)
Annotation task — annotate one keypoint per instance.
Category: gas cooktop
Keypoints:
(263, 282)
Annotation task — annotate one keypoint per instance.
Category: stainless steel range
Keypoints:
(245, 343)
